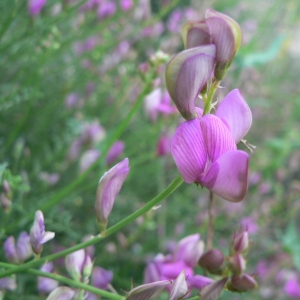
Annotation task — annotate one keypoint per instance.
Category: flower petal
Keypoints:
(217, 137)
(228, 176)
(236, 114)
(186, 74)
(188, 150)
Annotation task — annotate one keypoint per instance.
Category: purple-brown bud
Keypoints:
(227, 36)
(186, 74)
(242, 283)
(212, 261)
(237, 264)
(240, 243)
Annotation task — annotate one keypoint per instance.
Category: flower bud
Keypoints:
(38, 236)
(214, 290)
(88, 266)
(237, 264)
(108, 188)
(240, 242)
(147, 291)
(10, 250)
(195, 33)
(179, 287)
(242, 283)
(227, 36)
(74, 263)
(186, 74)
(23, 246)
(61, 292)
(212, 261)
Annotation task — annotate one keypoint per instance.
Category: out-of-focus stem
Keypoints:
(115, 228)
(211, 220)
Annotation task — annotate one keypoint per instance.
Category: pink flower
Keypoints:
(35, 6)
(115, 152)
(292, 288)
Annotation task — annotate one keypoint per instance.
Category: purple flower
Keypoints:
(46, 285)
(164, 145)
(106, 9)
(88, 158)
(126, 4)
(292, 288)
(204, 149)
(115, 152)
(108, 188)
(17, 253)
(35, 6)
(186, 74)
(8, 283)
(38, 236)
(101, 278)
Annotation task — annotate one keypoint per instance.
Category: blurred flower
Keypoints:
(35, 6)
(74, 263)
(174, 22)
(164, 145)
(106, 9)
(186, 74)
(240, 242)
(237, 264)
(115, 151)
(8, 283)
(101, 278)
(50, 178)
(249, 224)
(108, 188)
(126, 4)
(46, 285)
(72, 100)
(184, 258)
(62, 293)
(292, 288)
(147, 291)
(156, 102)
(88, 158)
(38, 236)
(18, 253)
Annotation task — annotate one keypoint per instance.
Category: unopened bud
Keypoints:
(242, 283)
(212, 261)
(88, 266)
(240, 243)
(74, 263)
(237, 264)
(195, 33)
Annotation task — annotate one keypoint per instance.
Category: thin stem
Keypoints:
(34, 263)
(211, 220)
(68, 281)
(207, 105)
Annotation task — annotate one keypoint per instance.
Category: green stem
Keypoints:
(210, 96)
(69, 282)
(35, 263)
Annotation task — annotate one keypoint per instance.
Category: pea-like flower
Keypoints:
(38, 236)
(205, 152)
(108, 188)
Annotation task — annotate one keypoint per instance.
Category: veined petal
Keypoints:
(217, 137)
(236, 114)
(186, 74)
(189, 151)
(195, 33)
(228, 176)
(179, 287)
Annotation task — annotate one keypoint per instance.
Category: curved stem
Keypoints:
(69, 281)
(34, 263)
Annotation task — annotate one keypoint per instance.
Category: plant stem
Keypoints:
(68, 281)
(211, 219)
(34, 263)
(207, 106)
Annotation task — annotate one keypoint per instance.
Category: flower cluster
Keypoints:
(204, 146)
